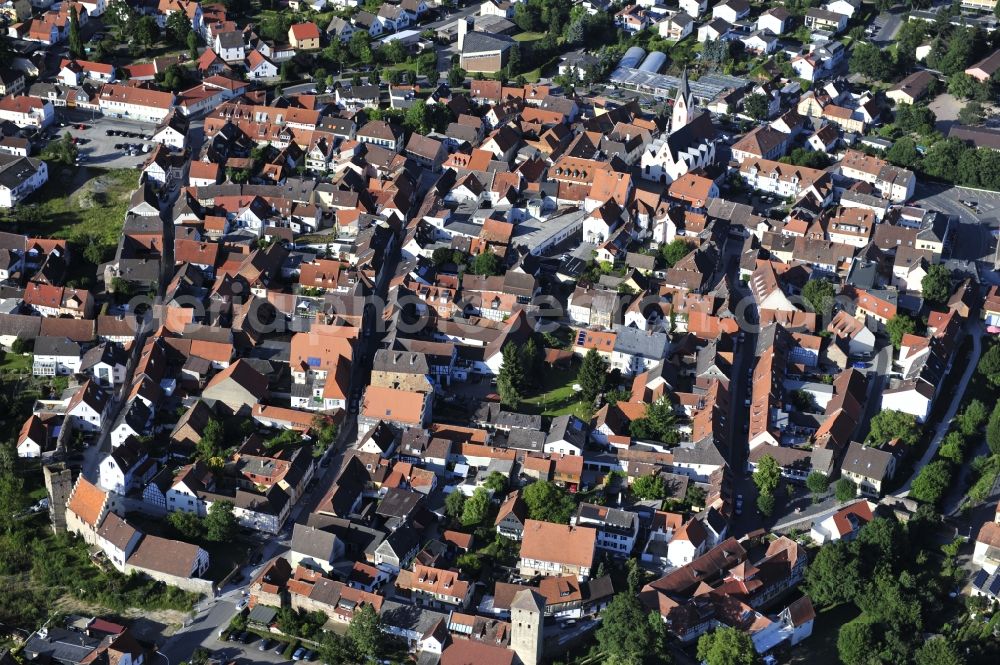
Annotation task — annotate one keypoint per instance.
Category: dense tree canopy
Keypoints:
(898, 326)
(936, 284)
(727, 646)
(628, 634)
(888, 424)
(592, 375)
(547, 502)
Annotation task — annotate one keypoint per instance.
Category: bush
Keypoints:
(845, 490)
(932, 482)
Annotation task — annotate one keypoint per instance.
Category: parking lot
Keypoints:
(96, 147)
(979, 213)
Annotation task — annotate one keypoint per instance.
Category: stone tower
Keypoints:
(683, 105)
(59, 483)
(527, 612)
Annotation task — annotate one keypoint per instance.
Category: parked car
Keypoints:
(280, 648)
(298, 653)
(265, 644)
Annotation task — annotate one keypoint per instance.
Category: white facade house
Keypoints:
(693, 8)
(55, 356)
(141, 104)
(26, 111)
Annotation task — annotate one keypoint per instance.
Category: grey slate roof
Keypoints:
(484, 42)
(640, 343)
(313, 542)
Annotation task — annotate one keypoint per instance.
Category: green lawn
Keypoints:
(84, 204)
(15, 363)
(556, 396)
(528, 36)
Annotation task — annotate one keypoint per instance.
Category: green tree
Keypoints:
(834, 577)
(531, 357)
(915, 118)
(989, 364)
(845, 490)
(456, 76)
(767, 475)
(932, 482)
(993, 430)
(903, 153)
(486, 263)
(941, 160)
(514, 59)
(972, 113)
(192, 45)
(937, 651)
(813, 159)
(674, 251)
(889, 424)
(628, 635)
(727, 646)
(592, 376)
(547, 502)
(334, 648)
(510, 380)
(365, 631)
(475, 509)
(526, 17)
(755, 106)
(765, 503)
(220, 522)
(868, 60)
(818, 484)
(188, 525)
(819, 293)
(857, 641)
(936, 284)
(147, 32)
(649, 487)
(454, 505)
(695, 496)
(469, 563)
(898, 326)
(63, 151)
(12, 496)
(178, 27)
(75, 39)
(211, 443)
(496, 482)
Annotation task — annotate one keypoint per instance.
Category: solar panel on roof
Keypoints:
(313, 361)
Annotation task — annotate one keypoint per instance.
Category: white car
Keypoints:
(242, 605)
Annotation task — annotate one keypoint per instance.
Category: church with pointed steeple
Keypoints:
(689, 145)
(683, 105)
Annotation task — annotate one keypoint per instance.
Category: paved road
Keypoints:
(975, 329)
(889, 23)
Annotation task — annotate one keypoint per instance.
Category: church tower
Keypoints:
(683, 105)
(527, 612)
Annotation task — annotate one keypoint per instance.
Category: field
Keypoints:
(87, 207)
(557, 396)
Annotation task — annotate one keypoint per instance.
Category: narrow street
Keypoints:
(975, 330)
